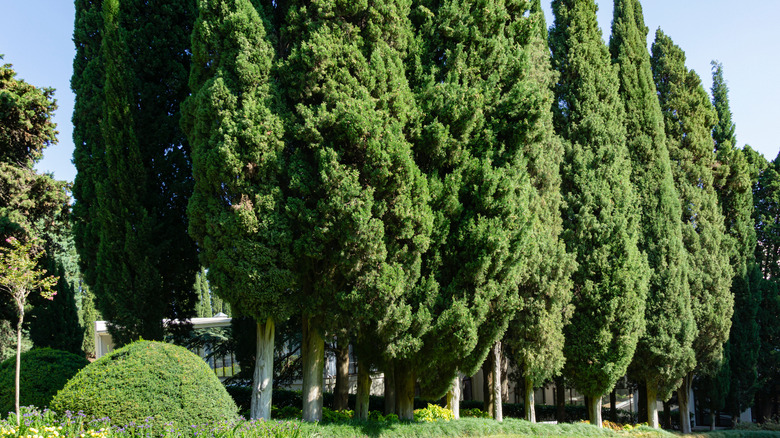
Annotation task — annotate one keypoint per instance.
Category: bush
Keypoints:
(433, 413)
(474, 413)
(148, 379)
(332, 416)
(286, 413)
(44, 372)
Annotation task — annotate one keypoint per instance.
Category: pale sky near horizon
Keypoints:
(36, 37)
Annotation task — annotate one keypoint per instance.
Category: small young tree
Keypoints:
(19, 276)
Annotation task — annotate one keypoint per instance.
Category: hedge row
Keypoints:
(283, 398)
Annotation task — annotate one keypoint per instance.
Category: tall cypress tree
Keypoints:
(146, 263)
(124, 222)
(535, 336)
(601, 222)
(664, 352)
(87, 84)
(735, 195)
(689, 119)
(236, 211)
(467, 81)
(358, 202)
(767, 220)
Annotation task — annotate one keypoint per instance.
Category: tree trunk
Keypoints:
(499, 416)
(341, 399)
(263, 379)
(667, 415)
(453, 397)
(504, 379)
(488, 377)
(713, 417)
(390, 389)
(652, 405)
(404, 392)
(613, 417)
(594, 410)
(528, 400)
(363, 391)
(641, 411)
(682, 397)
(313, 358)
(560, 388)
(18, 363)
(586, 400)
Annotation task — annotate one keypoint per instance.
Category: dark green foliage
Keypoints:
(689, 118)
(145, 262)
(146, 379)
(767, 219)
(601, 221)
(711, 391)
(55, 323)
(87, 84)
(236, 213)
(735, 179)
(44, 372)
(664, 352)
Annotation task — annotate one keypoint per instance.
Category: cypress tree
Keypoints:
(55, 323)
(664, 353)
(767, 219)
(89, 315)
(357, 200)
(689, 119)
(601, 222)
(483, 82)
(236, 212)
(535, 336)
(735, 195)
(87, 84)
(145, 261)
(122, 277)
(201, 287)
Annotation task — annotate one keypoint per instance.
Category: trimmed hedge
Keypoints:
(44, 371)
(283, 398)
(148, 379)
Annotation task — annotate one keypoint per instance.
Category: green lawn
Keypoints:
(470, 427)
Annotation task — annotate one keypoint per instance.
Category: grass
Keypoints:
(737, 434)
(47, 424)
(469, 427)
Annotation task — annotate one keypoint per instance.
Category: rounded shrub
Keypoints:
(44, 371)
(148, 379)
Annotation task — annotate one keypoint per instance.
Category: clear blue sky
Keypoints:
(36, 37)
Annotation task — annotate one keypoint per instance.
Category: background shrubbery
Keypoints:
(44, 372)
(146, 379)
(292, 399)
